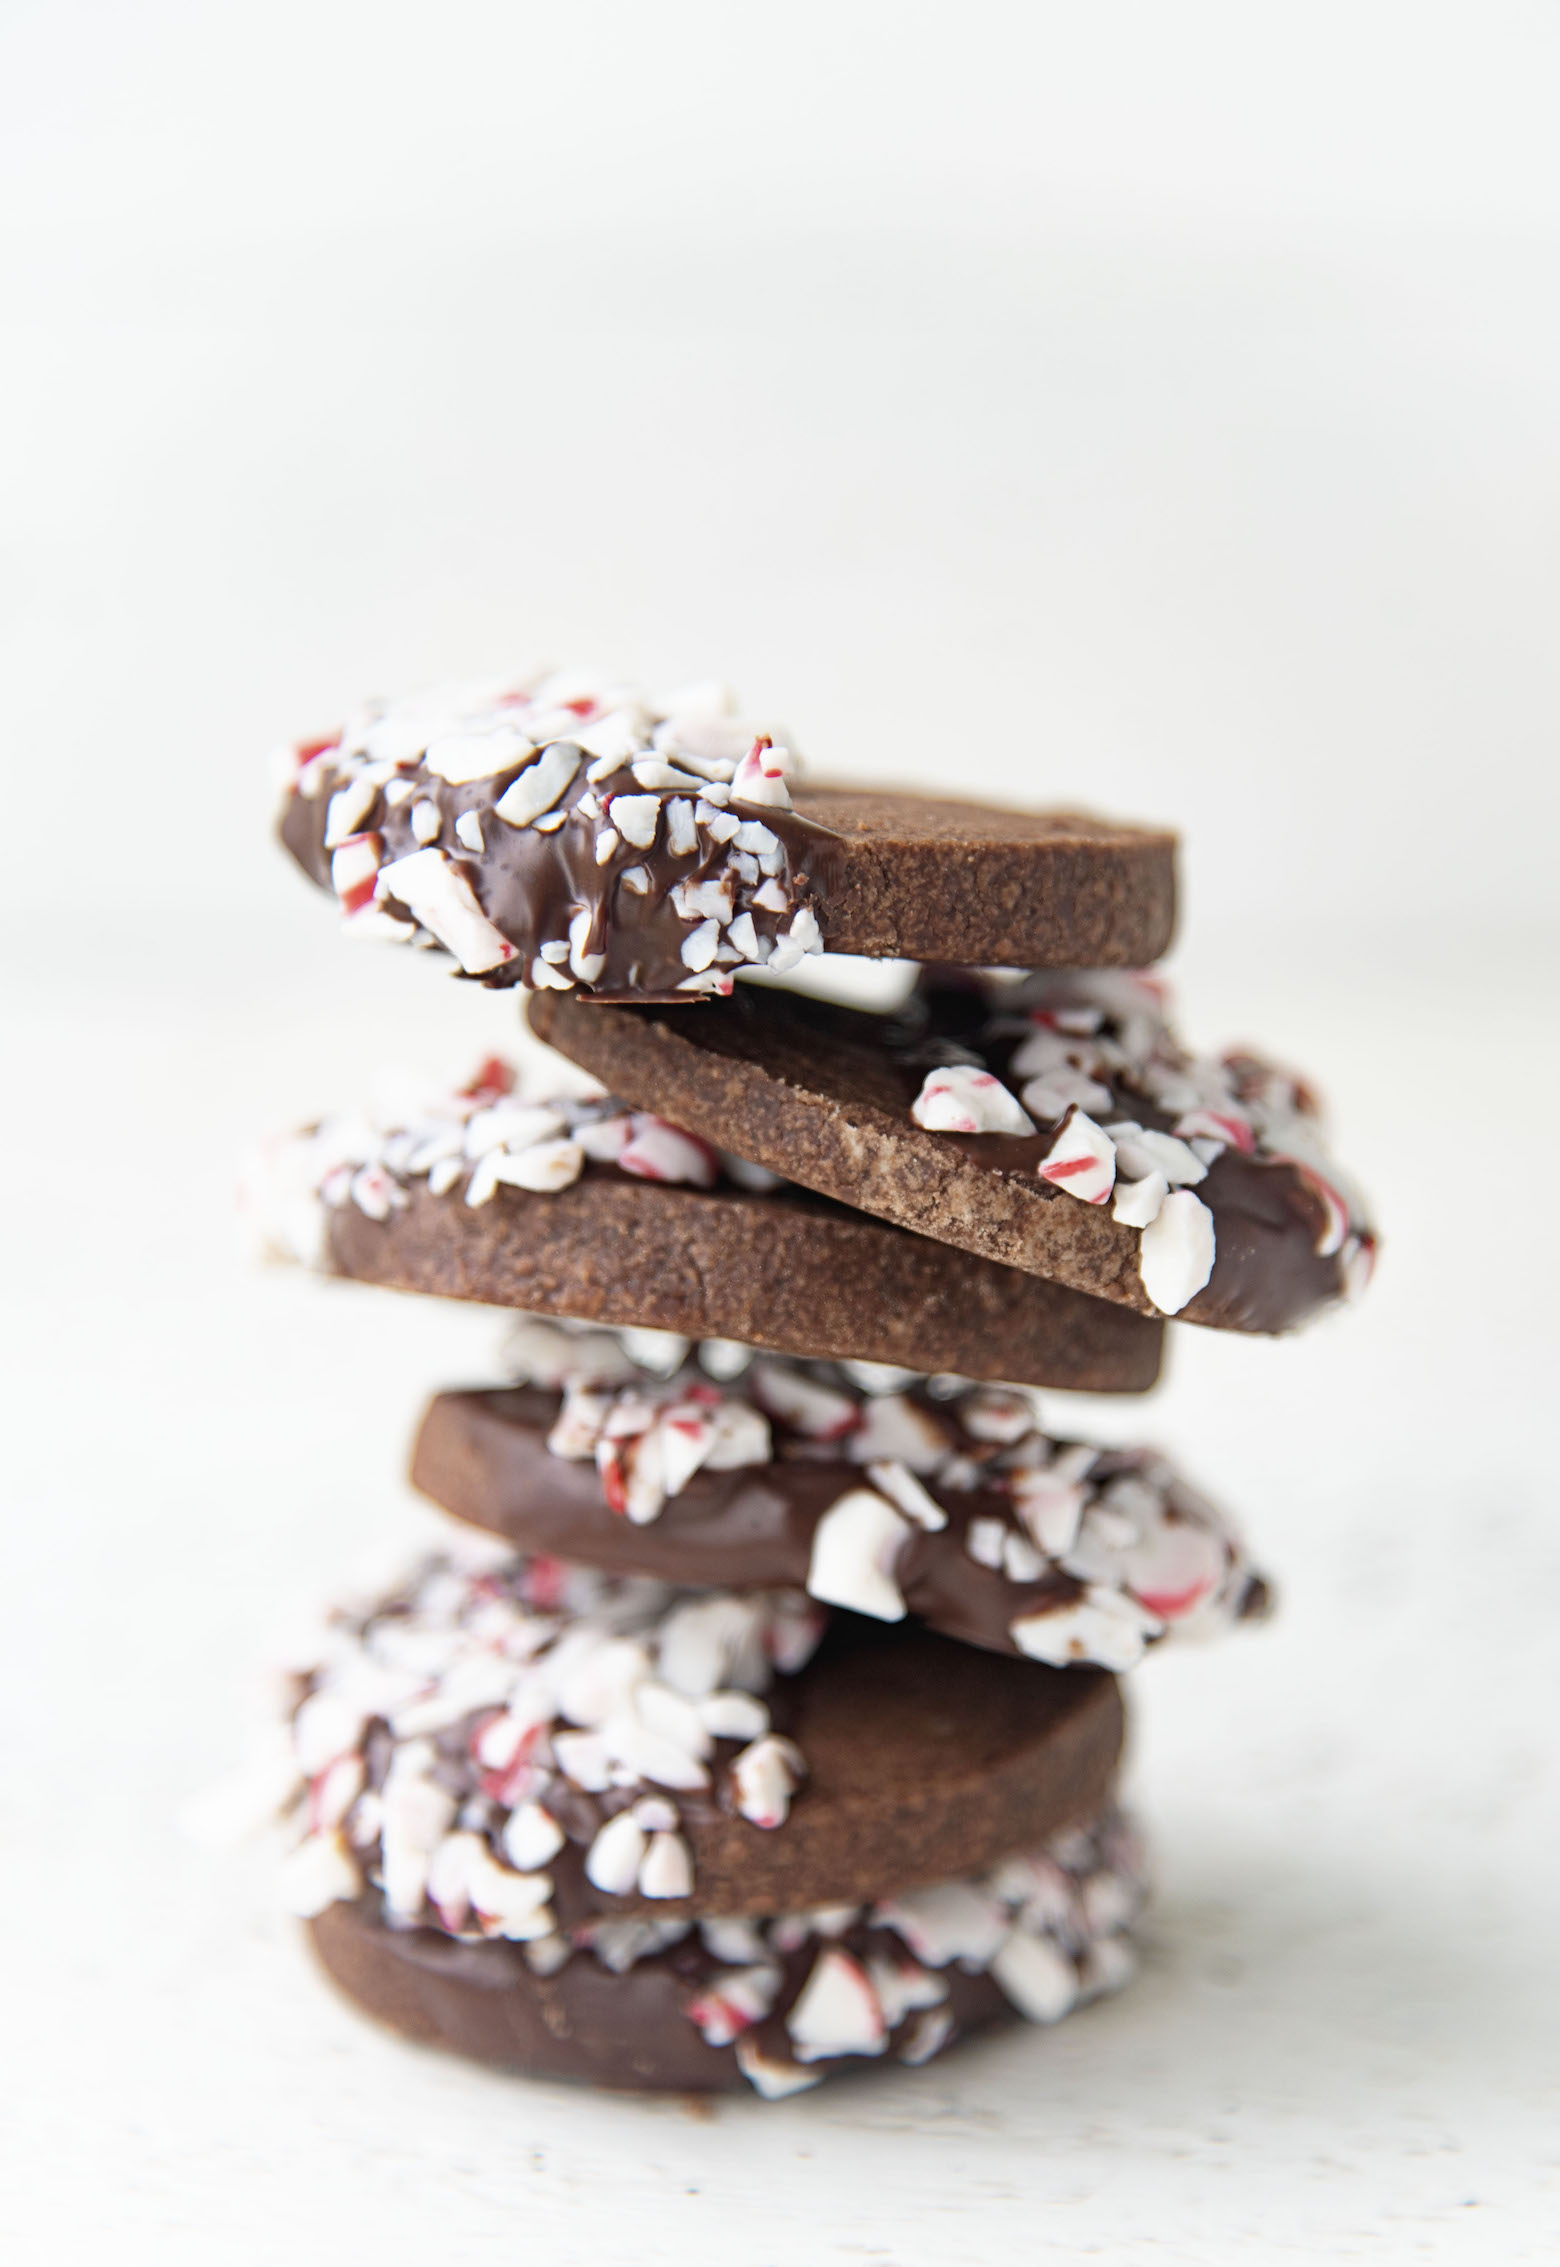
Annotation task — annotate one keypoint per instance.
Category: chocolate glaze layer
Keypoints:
(483, 1456)
(786, 1270)
(530, 884)
(884, 874)
(823, 1094)
(629, 2031)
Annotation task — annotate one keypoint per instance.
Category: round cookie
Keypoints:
(1054, 1125)
(593, 1211)
(562, 832)
(514, 1745)
(955, 1508)
(778, 2005)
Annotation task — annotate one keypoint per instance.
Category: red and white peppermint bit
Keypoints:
(649, 1442)
(474, 1141)
(1081, 1160)
(436, 892)
(450, 1739)
(620, 768)
(656, 1151)
(1051, 1926)
(963, 1098)
(1132, 1553)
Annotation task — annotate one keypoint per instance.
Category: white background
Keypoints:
(1151, 407)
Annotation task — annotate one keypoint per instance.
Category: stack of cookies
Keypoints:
(762, 1716)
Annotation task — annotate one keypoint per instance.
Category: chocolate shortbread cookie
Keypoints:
(588, 1209)
(952, 1506)
(516, 1744)
(780, 2004)
(565, 833)
(1054, 1124)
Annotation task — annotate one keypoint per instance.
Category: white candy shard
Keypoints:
(1141, 1151)
(818, 1411)
(546, 1165)
(441, 899)
(894, 1428)
(961, 1098)
(1036, 1976)
(1138, 1203)
(348, 808)
(855, 1547)
(764, 1777)
(734, 1716)
(1081, 1160)
(539, 785)
(953, 1920)
(837, 2011)
(667, 1870)
(531, 1836)
(613, 1860)
(900, 1485)
(460, 757)
(700, 946)
(636, 818)
(1176, 1256)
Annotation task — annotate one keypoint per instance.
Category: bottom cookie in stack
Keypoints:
(600, 1828)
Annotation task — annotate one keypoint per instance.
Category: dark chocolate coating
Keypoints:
(786, 1271)
(629, 2031)
(823, 1094)
(897, 875)
(484, 1457)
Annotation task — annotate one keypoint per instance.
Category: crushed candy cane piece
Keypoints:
(442, 901)
(854, 1549)
(1081, 1160)
(1177, 1252)
(962, 1098)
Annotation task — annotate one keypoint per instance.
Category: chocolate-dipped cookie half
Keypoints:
(515, 1745)
(566, 833)
(593, 1210)
(780, 2004)
(1054, 1125)
(950, 1502)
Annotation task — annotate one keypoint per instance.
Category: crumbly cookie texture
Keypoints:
(496, 1718)
(1078, 1050)
(1052, 1123)
(1086, 1554)
(561, 831)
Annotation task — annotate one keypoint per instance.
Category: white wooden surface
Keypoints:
(1344, 2042)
